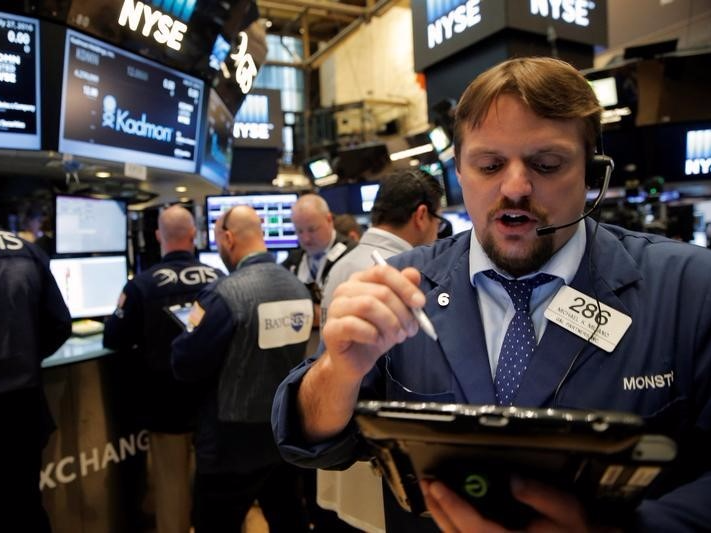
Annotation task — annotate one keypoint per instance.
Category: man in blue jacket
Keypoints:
(525, 131)
(142, 327)
(34, 323)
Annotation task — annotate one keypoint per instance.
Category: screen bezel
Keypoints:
(116, 153)
(211, 243)
(121, 202)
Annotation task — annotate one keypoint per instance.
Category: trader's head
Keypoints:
(523, 133)
(176, 230)
(313, 222)
(238, 233)
(408, 204)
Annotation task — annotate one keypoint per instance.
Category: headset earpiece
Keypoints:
(596, 169)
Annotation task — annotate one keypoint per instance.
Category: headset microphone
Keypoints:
(599, 164)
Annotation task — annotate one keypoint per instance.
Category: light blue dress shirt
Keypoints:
(496, 306)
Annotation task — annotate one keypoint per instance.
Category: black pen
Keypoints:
(418, 313)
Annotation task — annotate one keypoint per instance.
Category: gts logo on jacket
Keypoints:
(193, 275)
(8, 241)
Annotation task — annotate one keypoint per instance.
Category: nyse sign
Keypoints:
(575, 12)
(444, 26)
(168, 31)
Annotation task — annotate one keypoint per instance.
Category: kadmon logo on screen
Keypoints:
(118, 119)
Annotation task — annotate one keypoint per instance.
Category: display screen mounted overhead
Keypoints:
(19, 83)
(217, 148)
(121, 107)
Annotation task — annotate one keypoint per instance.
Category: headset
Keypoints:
(597, 173)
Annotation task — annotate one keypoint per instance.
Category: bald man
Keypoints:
(320, 247)
(245, 333)
(142, 326)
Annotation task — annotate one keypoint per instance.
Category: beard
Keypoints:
(539, 252)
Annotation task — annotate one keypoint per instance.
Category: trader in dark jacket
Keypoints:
(34, 322)
(244, 334)
(143, 326)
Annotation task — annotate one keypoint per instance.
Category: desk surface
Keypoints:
(78, 349)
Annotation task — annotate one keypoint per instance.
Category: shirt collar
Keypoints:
(323, 252)
(564, 263)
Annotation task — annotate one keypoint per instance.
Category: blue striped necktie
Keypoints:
(520, 338)
(314, 263)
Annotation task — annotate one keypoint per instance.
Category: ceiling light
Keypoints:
(103, 174)
(181, 188)
(411, 152)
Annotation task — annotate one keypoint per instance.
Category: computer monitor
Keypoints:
(90, 286)
(122, 107)
(217, 148)
(459, 219)
(213, 259)
(321, 172)
(439, 138)
(273, 208)
(20, 82)
(89, 225)
(367, 196)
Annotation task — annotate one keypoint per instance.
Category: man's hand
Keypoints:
(368, 315)
(558, 511)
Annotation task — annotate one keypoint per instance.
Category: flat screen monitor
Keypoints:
(273, 209)
(89, 225)
(459, 219)
(606, 91)
(90, 286)
(367, 196)
(121, 107)
(217, 148)
(213, 259)
(452, 189)
(439, 138)
(19, 83)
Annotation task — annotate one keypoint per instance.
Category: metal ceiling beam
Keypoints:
(277, 6)
(333, 7)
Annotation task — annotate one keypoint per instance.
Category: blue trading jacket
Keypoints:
(663, 285)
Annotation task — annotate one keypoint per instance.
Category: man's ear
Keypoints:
(420, 216)
(158, 236)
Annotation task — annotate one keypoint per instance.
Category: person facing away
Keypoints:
(143, 329)
(524, 132)
(34, 323)
(404, 214)
(347, 225)
(245, 332)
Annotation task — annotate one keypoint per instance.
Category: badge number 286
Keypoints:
(579, 313)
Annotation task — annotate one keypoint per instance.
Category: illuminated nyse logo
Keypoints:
(165, 29)
(244, 65)
(698, 152)
(571, 11)
(445, 18)
(252, 120)
(118, 119)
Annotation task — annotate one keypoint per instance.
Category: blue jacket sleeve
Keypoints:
(199, 353)
(124, 328)
(335, 454)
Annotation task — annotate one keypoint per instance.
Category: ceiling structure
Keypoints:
(322, 24)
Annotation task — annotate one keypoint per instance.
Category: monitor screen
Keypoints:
(213, 259)
(320, 168)
(273, 209)
(259, 120)
(121, 107)
(438, 138)
(367, 196)
(459, 219)
(606, 91)
(19, 83)
(452, 189)
(91, 286)
(217, 148)
(89, 225)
